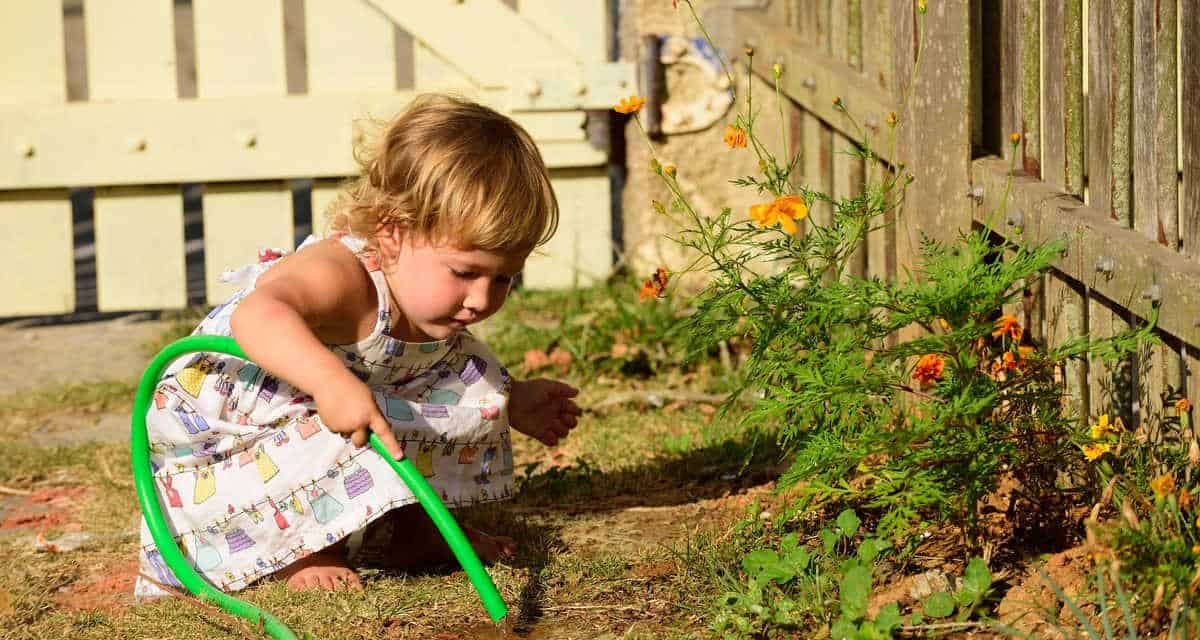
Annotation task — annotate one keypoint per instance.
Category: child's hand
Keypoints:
(347, 406)
(543, 409)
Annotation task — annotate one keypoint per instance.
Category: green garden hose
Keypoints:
(152, 509)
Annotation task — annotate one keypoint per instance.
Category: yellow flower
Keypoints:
(629, 105)
(1163, 485)
(1196, 549)
(777, 69)
(1015, 137)
(735, 137)
(921, 7)
(891, 119)
(784, 211)
(1008, 325)
(1182, 405)
(658, 207)
(1093, 451)
(1102, 427)
(669, 169)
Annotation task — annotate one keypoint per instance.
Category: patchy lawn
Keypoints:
(620, 529)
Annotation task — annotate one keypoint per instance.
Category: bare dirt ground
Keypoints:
(37, 356)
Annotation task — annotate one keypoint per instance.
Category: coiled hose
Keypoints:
(143, 477)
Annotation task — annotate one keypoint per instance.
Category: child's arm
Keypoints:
(319, 291)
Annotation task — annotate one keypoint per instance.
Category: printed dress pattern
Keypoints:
(250, 479)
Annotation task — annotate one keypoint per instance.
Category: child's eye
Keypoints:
(463, 274)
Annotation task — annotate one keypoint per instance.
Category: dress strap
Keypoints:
(370, 261)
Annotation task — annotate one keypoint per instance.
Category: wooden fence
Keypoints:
(141, 140)
(1103, 93)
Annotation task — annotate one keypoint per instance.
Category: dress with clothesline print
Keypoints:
(249, 478)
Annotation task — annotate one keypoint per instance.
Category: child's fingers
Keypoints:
(383, 429)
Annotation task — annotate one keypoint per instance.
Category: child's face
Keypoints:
(438, 289)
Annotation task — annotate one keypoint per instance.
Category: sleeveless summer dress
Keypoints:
(250, 479)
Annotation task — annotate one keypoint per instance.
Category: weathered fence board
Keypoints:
(349, 47)
(813, 80)
(240, 52)
(35, 238)
(1138, 263)
(1155, 178)
(139, 248)
(138, 231)
(1189, 65)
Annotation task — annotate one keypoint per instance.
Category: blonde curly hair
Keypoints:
(452, 171)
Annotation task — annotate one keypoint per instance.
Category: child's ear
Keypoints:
(390, 238)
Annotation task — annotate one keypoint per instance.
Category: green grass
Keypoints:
(611, 546)
(560, 584)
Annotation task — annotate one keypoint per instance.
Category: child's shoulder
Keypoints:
(327, 280)
(328, 262)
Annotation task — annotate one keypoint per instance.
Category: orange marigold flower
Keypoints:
(1093, 451)
(1009, 361)
(784, 211)
(647, 291)
(655, 286)
(629, 105)
(929, 369)
(1008, 325)
(735, 137)
(1163, 485)
(1182, 405)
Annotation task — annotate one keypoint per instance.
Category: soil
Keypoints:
(37, 355)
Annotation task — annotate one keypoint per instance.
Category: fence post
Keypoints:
(934, 138)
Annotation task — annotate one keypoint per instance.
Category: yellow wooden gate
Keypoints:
(253, 118)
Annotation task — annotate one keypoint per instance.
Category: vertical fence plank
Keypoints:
(1155, 162)
(324, 193)
(35, 226)
(938, 156)
(1102, 108)
(1027, 20)
(1189, 65)
(1101, 104)
(240, 51)
(876, 43)
(1062, 166)
(1011, 39)
(131, 221)
(349, 47)
(32, 65)
(847, 183)
(818, 164)
(1065, 320)
(1121, 90)
(1062, 81)
(569, 259)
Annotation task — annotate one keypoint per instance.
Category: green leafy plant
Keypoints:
(798, 587)
(910, 397)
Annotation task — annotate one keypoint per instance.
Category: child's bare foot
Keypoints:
(488, 547)
(407, 539)
(325, 570)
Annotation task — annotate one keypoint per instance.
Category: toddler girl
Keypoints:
(261, 464)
